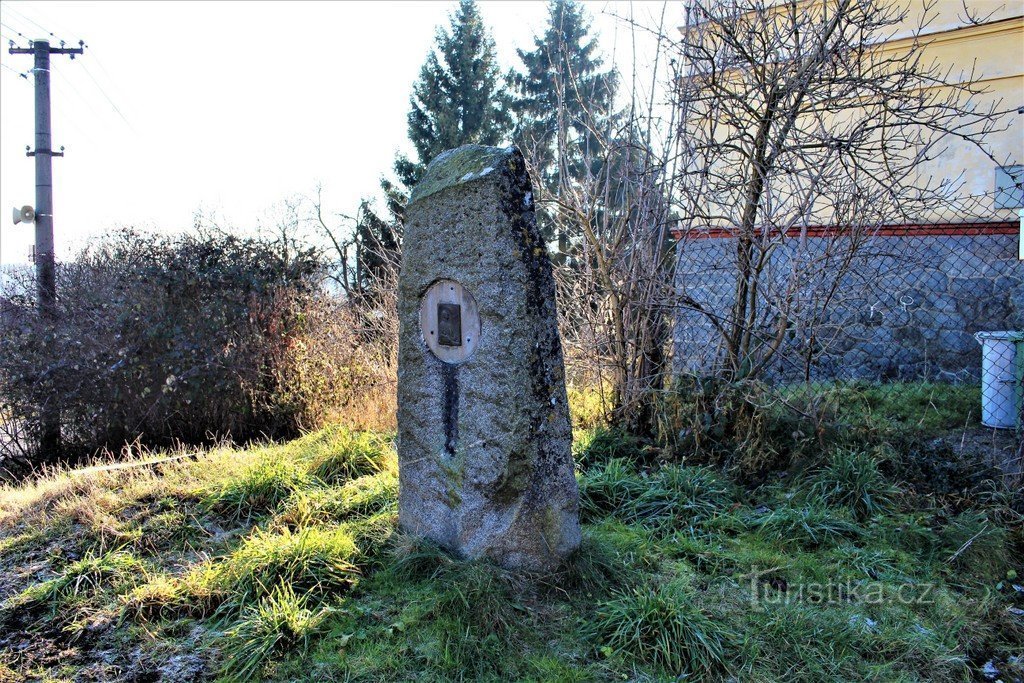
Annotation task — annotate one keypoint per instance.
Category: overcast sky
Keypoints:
(227, 107)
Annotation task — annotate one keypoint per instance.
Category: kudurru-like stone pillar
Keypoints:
(484, 442)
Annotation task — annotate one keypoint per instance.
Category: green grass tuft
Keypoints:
(367, 495)
(310, 560)
(594, 568)
(280, 623)
(852, 479)
(662, 627)
(82, 578)
(809, 526)
(478, 595)
(607, 490)
(678, 495)
(349, 455)
(259, 490)
(975, 546)
(417, 558)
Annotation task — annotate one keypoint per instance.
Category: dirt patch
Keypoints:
(1002, 448)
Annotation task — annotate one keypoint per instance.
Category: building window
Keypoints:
(1009, 187)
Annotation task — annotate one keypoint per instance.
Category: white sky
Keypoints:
(227, 107)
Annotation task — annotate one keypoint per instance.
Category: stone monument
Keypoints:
(485, 466)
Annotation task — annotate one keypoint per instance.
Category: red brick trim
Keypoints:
(894, 230)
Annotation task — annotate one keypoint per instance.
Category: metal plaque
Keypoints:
(449, 321)
(449, 324)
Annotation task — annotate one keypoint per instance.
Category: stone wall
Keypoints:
(907, 308)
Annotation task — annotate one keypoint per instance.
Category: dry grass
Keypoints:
(90, 496)
(372, 409)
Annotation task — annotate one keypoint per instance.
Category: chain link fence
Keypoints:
(934, 299)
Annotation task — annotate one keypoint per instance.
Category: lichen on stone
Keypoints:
(459, 166)
(485, 459)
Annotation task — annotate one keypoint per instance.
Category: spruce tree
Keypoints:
(460, 96)
(563, 94)
(377, 240)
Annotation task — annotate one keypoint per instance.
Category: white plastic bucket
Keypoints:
(1000, 380)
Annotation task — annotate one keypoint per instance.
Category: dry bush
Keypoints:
(338, 370)
(186, 338)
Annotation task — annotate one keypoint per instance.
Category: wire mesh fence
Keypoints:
(938, 298)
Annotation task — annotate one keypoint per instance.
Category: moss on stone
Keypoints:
(459, 166)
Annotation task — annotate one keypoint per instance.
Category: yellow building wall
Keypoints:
(989, 54)
(979, 42)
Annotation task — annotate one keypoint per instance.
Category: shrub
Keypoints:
(587, 406)
(738, 426)
(658, 626)
(281, 622)
(170, 339)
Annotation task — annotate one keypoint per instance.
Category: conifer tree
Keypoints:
(378, 241)
(563, 95)
(460, 96)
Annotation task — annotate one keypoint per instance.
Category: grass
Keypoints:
(660, 626)
(313, 559)
(806, 526)
(284, 563)
(852, 480)
(601, 445)
(924, 408)
(260, 489)
(347, 455)
(79, 580)
(281, 622)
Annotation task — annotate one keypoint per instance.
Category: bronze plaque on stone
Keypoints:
(449, 324)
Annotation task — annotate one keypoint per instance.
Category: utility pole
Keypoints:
(46, 280)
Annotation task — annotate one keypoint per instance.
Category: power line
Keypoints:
(29, 20)
(8, 39)
(104, 93)
(65, 80)
(48, 19)
(96, 58)
(62, 115)
(18, 33)
(14, 71)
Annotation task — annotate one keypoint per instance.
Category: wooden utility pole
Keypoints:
(46, 280)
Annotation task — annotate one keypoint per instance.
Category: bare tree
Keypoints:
(800, 120)
(366, 255)
(611, 212)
